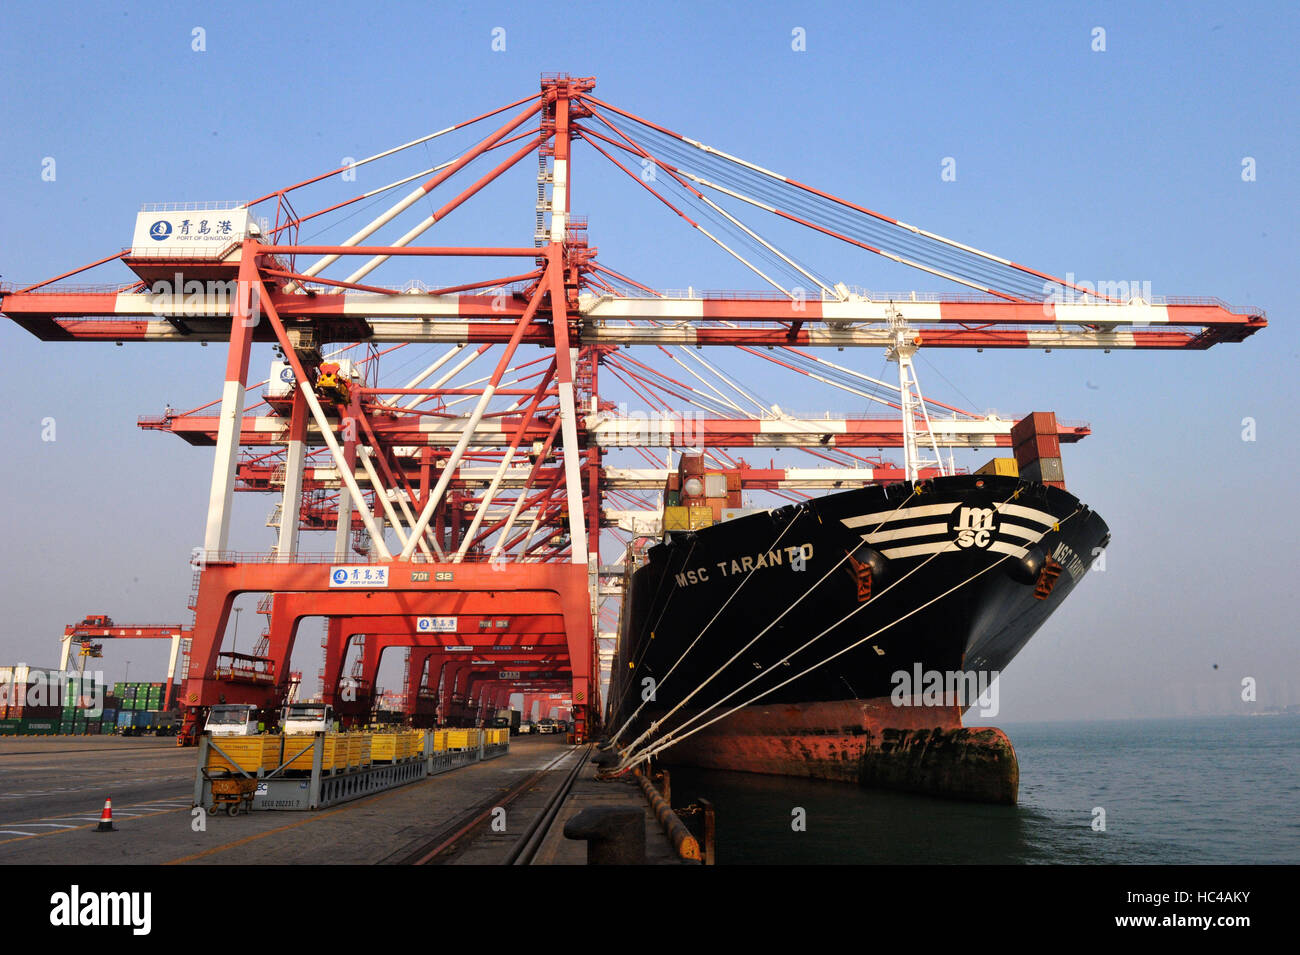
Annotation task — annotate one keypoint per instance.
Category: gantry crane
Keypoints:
(455, 504)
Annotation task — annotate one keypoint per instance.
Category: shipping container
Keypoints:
(1000, 466)
(1044, 469)
(677, 518)
(701, 515)
(35, 712)
(1038, 446)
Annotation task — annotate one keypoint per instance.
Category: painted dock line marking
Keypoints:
(313, 817)
(64, 822)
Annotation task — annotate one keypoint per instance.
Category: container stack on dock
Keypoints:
(45, 702)
(143, 696)
(32, 700)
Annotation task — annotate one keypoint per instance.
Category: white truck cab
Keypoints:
(306, 718)
(232, 719)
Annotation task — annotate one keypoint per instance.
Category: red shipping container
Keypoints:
(1040, 422)
(1039, 446)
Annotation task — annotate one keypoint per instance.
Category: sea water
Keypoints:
(1177, 791)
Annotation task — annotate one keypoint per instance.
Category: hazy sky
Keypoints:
(1122, 164)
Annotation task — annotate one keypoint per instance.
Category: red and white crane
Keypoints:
(477, 487)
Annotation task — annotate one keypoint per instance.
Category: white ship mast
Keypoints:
(905, 344)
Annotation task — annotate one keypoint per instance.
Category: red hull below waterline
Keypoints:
(869, 742)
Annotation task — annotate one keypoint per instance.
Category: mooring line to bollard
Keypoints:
(687, 846)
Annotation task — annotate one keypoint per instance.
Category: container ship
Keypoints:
(844, 637)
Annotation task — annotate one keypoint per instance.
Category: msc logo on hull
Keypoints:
(974, 527)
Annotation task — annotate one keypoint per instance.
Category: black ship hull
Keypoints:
(819, 629)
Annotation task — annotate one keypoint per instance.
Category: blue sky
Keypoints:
(1123, 164)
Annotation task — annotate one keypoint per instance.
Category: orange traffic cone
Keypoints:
(106, 817)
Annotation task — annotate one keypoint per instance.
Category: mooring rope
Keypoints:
(653, 727)
(614, 739)
(631, 759)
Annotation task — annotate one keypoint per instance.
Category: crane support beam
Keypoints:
(653, 479)
(486, 319)
(608, 431)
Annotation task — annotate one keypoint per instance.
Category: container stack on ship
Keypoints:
(813, 629)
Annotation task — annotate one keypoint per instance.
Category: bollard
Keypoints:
(665, 785)
(615, 836)
(606, 758)
(710, 832)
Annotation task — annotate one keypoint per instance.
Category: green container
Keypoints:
(40, 727)
(74, 690)
(10, 727)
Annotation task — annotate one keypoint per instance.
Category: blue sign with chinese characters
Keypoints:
(364, 576)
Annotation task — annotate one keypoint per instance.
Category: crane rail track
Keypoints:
(459, 832)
